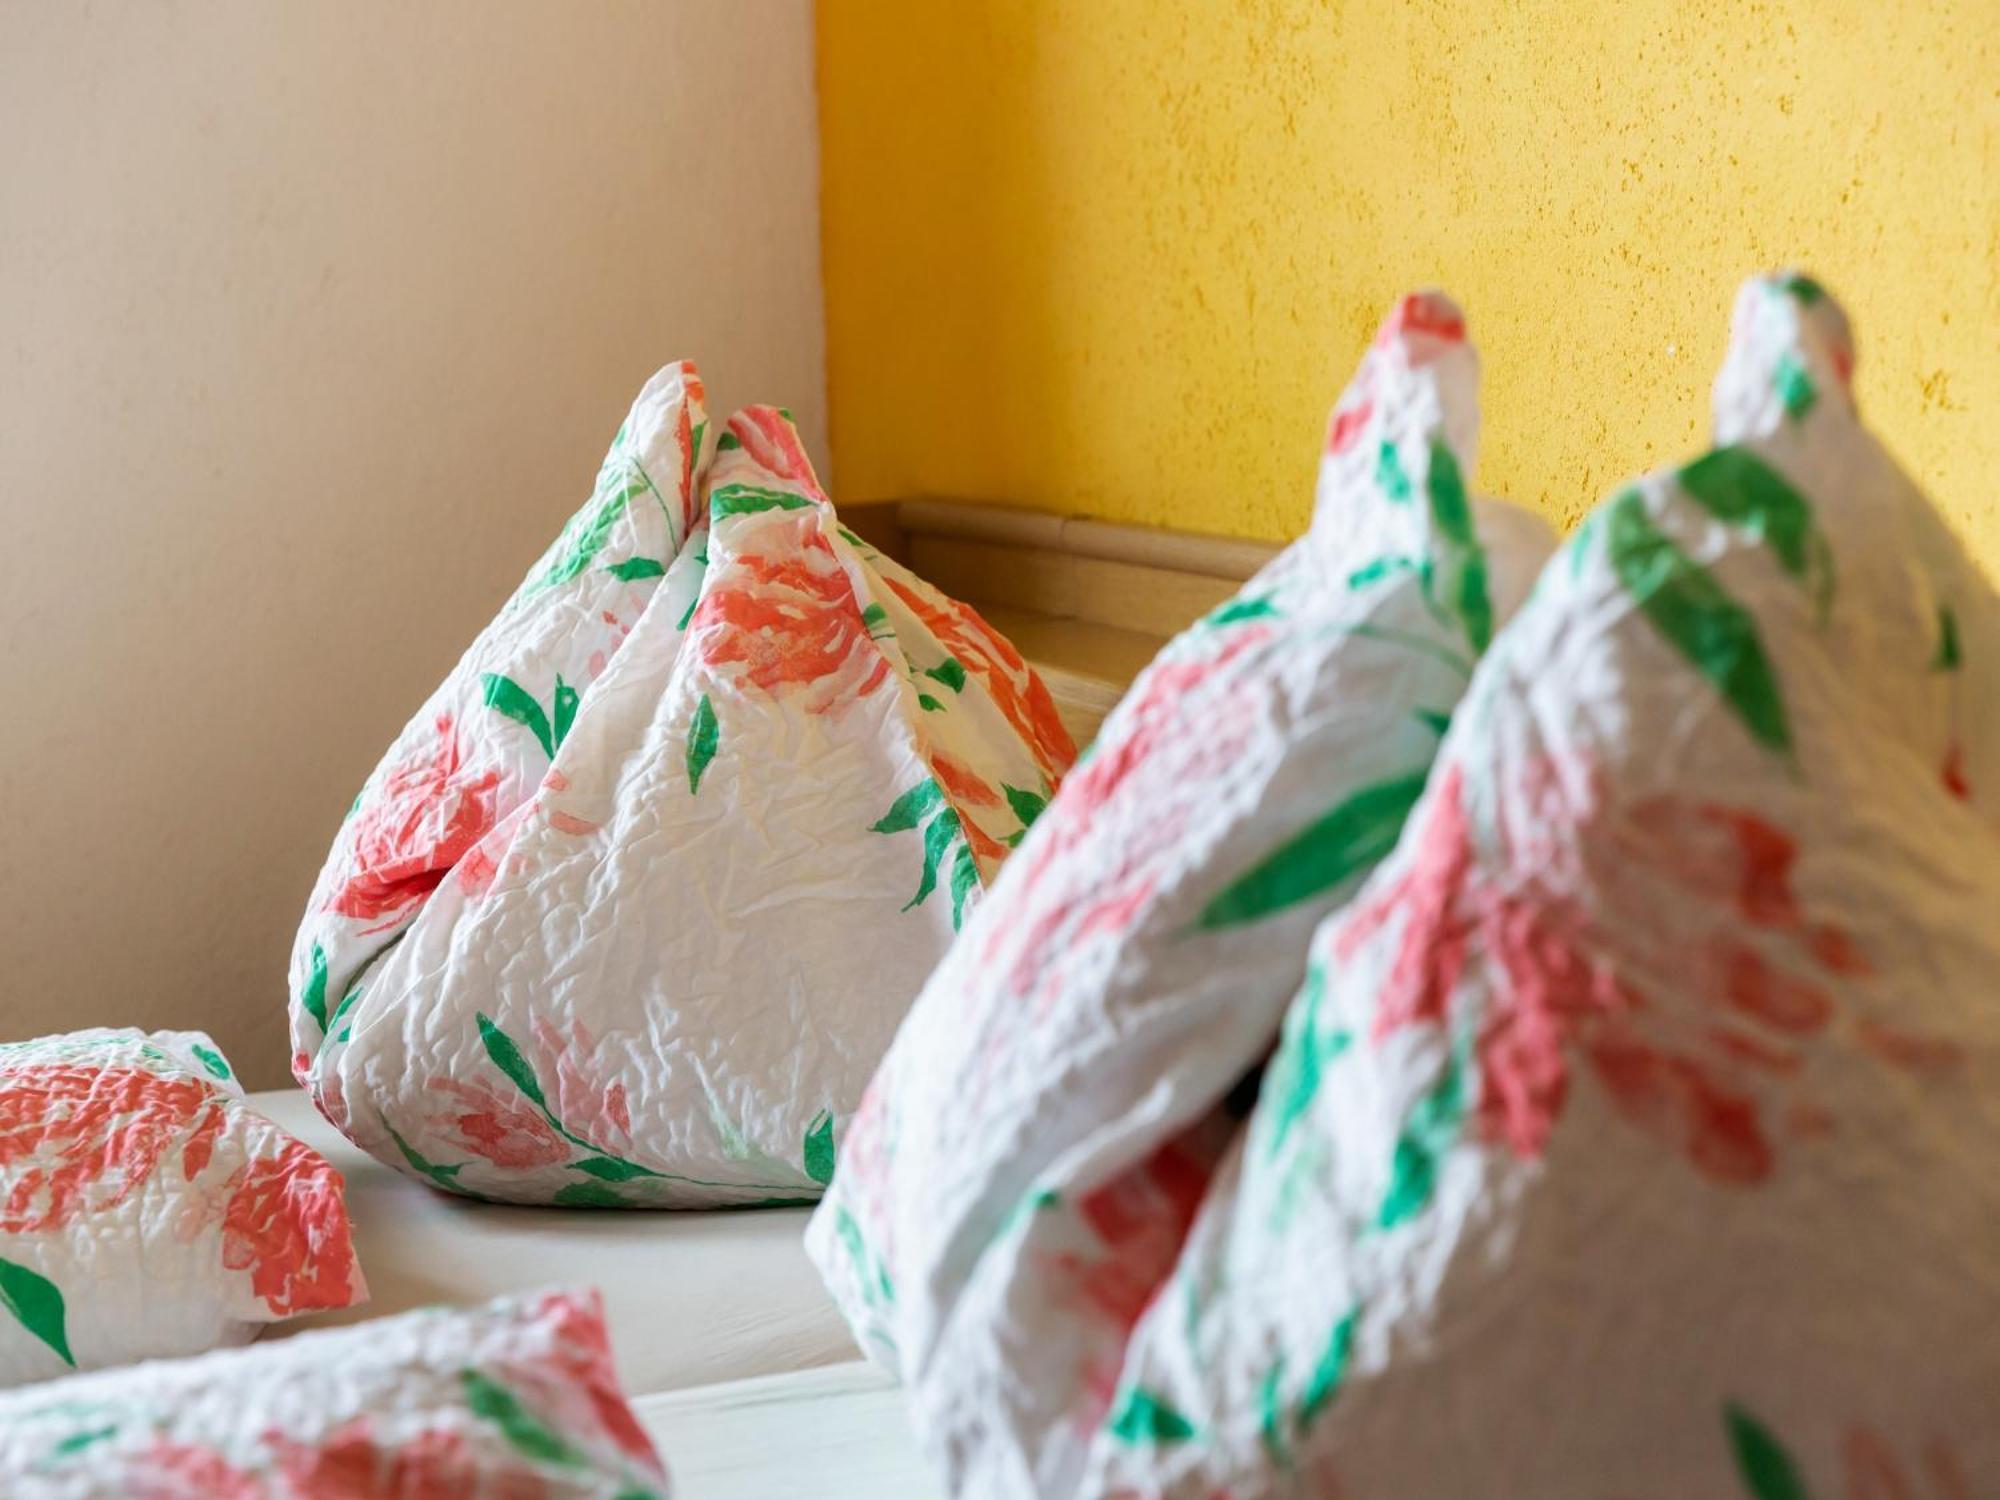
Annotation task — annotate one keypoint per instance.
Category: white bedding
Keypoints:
(691, 1298)
(834, 1434)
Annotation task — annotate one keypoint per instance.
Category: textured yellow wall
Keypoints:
(1118, 256)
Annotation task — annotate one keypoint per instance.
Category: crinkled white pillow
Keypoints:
(516, 1400)
(146, 1210)
(1030, 1154)
(1635, 1132)
(663, 973)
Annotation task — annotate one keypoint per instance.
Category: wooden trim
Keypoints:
(1142, 546)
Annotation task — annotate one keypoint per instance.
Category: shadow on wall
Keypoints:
(315, 321)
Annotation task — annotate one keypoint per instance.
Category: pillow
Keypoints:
(1635, 1130)
(1029, 1156)
(474, 754)
(664, 979)
(516, 1399)
(145, 1209)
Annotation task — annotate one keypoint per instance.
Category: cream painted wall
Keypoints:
(315, 319)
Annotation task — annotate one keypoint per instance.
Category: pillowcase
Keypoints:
(146, 1210)
(474, 754)
(515, 1399)
(665, 978)
(1634, 1131)
(1029, 1156)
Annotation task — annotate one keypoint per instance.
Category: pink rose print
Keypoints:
(351, 1463)
(791, 622)
(187, 1471)
(76, 1139)
(501, 1127)
(427, 815)
(286, 1224)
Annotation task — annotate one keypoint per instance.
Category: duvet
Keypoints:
(1630, 1131)
(632, 907)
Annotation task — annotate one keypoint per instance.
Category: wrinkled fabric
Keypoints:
(1047, 1122)
(516, 1400)
(633, 907)
(145, 1210)
(1633, 1132)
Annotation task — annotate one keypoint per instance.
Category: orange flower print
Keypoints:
(428, 814)
(76, 1140)
(769, 439)
(500, 1127)
(1020, 695)
(189, 1471)
(287, 1226)
(790, 623)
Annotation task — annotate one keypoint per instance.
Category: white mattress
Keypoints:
(692, 1298)
(833, 1434)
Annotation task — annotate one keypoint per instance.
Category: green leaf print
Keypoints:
(37, 1304)
(1451, 514)
(1294, 1079)
(1715, 634)
(213, 1061)
(1328, 1373)
(704, 736)
(875, 620)
(937, 839)
(522, 1428)
(1142, 1418)
(909, 809)
(1739, 489)
(1803, 288)
(340, 1011)
(950, 672)
(587, 532)
(1240, 609)
(747, 499)
(929, 704)
(1026, 806)
(1430, 1131)
(609, 1169)
(1390, 476)
(444, 1177)
(1795, 387)
(313, 996)
(635, 568)
(964, 876)
(875, 1284)
(510, 700)
(728, 442)
(508, 1059)
(1270, 1414)
(586, 1195)
(1761, 1460)
(1341, 846)
(819, 1148)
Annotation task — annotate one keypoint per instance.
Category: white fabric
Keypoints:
(1034, 1146)
(633, 907)
(146, 1212)
(691, 1298)
(512, 1400)
(832, 1434)
(1635, 1131)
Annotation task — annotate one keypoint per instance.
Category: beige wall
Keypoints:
(315, 318)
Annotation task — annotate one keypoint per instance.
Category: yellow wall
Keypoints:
(1118, 256)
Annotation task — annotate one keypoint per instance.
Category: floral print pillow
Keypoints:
(1027, 1160)
(1634, 1132)
(516, 1400)
(146, 1210)
(663, 975)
